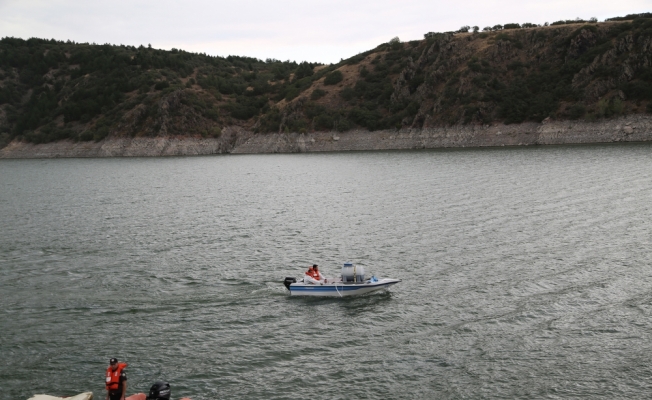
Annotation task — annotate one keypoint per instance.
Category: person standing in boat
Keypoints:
(116, 380)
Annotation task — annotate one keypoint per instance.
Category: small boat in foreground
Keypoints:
(89, 396)
(159, 391)
(81, 396)
(351, 283)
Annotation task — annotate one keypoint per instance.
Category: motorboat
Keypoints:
(352, 282)
(81, 396)
(159, 391)
(89, 396)
(335, 289)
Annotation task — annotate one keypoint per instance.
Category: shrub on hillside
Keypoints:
(292, 93)
(161, 85)
(342, 124)
(333, 78)
(271, 121)
(432, 35)
(244, 107)
(348, 93)
(609, 107)
(576, 111)
(630, 16)
(638, 90)
(303, 70)
(355, 59)
(395, 43)
(323, 122)
(317, 94)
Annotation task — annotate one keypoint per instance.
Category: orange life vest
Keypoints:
(311, 273)
(113, 377)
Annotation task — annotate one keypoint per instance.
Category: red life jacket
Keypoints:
(113, 377)
(311, 273)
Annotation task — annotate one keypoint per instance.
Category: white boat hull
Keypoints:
(339, 289)
(81, 396)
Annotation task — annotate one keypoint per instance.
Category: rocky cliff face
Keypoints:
(240, 141)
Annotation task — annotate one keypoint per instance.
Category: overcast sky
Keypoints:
(312, 30)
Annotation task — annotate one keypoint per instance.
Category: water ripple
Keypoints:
(525, 274)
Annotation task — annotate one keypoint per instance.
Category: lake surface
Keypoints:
(527, 273)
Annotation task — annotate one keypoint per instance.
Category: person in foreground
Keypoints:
(116, 380)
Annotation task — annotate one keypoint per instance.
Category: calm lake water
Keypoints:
(527, 273)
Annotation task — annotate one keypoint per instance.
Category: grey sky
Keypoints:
(312, 30)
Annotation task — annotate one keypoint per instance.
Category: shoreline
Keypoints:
(235, 140)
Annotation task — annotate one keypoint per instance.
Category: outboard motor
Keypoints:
(288, 281)
(352, 273)
(159, 391)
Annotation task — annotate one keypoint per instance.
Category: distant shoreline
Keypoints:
(234, 140)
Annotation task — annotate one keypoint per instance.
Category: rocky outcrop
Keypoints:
(613, 59)
(635, 128)
(581, 43)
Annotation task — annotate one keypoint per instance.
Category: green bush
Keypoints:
(348, 93)
(333, 78)
(271, 121)
(292, 93)
(474, 65)
(370, 119)
(240, 111)
(162, 85)
(355, 59)
(323, 122)
(317, 94)
(576, 111)
(608, 107)
(638, 90)
(101, 133)
(303, 70)
(395, 44)
(515, 65)
(509, 38)
(342, 124)
(297, 125)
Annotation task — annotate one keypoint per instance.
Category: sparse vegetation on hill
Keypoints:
(52, 90)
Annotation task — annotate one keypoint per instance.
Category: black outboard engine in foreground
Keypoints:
(159, 391)
(288, 281)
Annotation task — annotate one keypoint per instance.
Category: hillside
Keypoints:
(52, 90)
